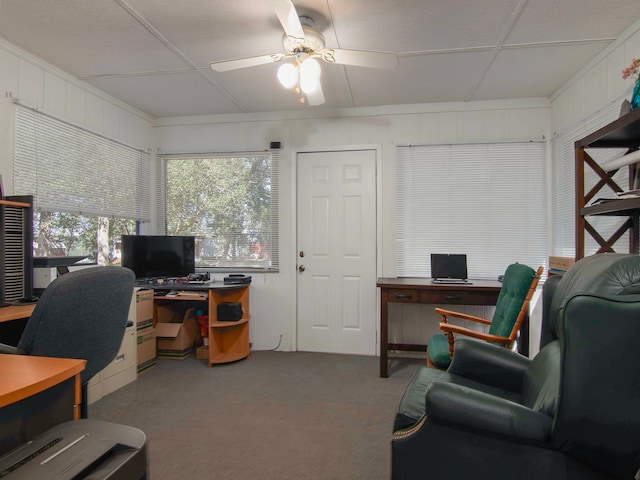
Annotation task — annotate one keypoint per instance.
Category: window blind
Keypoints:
(229, 201)
(69, 169)
(484, 200)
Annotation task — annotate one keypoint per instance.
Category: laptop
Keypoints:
(449, 268)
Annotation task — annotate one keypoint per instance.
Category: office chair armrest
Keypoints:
(465, 407)
(448, 327)
(4, 348)
(489, 364)
(463, 316)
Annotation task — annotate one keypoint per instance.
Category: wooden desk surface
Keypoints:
(423, 290)
(427, 284)
(22, 375)
(16, 312)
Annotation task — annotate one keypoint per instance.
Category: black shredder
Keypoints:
(88, 449)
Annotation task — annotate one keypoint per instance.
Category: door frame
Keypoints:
(294, 229)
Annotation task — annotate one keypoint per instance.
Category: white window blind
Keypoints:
(69, 169)
(563, 213)
(485, 200)
(228, 201)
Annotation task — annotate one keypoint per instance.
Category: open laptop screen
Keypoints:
(449, 266)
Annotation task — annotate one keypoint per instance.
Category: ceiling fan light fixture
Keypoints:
(309, 84)
(310, 68)
(288, 75)
(309, 75)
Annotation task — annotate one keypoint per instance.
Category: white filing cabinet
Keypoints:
(121, 371)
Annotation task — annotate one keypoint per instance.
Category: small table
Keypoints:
(422, 290)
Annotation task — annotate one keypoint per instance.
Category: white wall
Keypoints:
(273, 295)
(36, 84)
(598, 83)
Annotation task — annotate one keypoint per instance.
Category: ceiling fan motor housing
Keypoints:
(313, 42)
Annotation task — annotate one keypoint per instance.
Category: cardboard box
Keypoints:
(559, 265)
(146, 349)
(202, 353)
(141, 310)
(178, 334)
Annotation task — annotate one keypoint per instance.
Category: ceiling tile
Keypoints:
(511, 75)
(155, 54)
(169, 94)
(553, 20)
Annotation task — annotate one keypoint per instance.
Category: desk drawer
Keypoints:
(456, 297)
(397, 295)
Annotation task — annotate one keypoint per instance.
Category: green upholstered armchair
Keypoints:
(571, 412)
(518, 285)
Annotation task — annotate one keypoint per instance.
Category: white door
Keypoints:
(336, 247)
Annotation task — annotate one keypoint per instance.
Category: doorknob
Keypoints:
(301, 268)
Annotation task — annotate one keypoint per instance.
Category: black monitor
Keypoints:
(158, 255)
(449, 265)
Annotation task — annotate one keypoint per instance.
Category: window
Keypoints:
(484, 200)
(87, 189)
(229, 202)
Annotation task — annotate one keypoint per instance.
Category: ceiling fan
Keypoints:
(303, 45)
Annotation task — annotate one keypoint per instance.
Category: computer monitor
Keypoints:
(159, 255)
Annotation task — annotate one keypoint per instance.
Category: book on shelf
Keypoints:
(629, 194)
(620, 196)
(599, 201)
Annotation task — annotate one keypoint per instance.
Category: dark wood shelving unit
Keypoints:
(623, 132)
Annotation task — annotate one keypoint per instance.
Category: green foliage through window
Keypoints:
(229, 203)
(64, 234)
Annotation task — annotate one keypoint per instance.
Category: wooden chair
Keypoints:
(518, 285)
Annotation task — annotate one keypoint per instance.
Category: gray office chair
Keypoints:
(82, 314)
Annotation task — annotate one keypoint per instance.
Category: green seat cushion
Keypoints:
(438, 351)
(515, 286)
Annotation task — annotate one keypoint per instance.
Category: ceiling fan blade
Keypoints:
(286, 13)
(316, 97)
(227, 65)
(360, 58)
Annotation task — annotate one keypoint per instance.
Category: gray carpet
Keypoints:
(274, 415)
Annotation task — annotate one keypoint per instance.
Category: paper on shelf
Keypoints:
(616, 163)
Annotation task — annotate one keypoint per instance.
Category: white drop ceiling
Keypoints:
(155, 54)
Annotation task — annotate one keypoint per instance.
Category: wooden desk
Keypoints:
(228, 341)
(36, 393)
(421, 290)
(13, 319)
(16, 312)
(24, 375)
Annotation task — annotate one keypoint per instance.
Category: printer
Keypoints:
(88, 449)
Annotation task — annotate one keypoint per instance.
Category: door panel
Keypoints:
(336, 252)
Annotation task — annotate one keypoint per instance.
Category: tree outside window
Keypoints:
(227, 202)
(63, 234)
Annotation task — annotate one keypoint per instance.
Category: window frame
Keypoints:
(273, 263)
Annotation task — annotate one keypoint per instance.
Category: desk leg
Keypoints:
(384, 325)
(80, 402)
